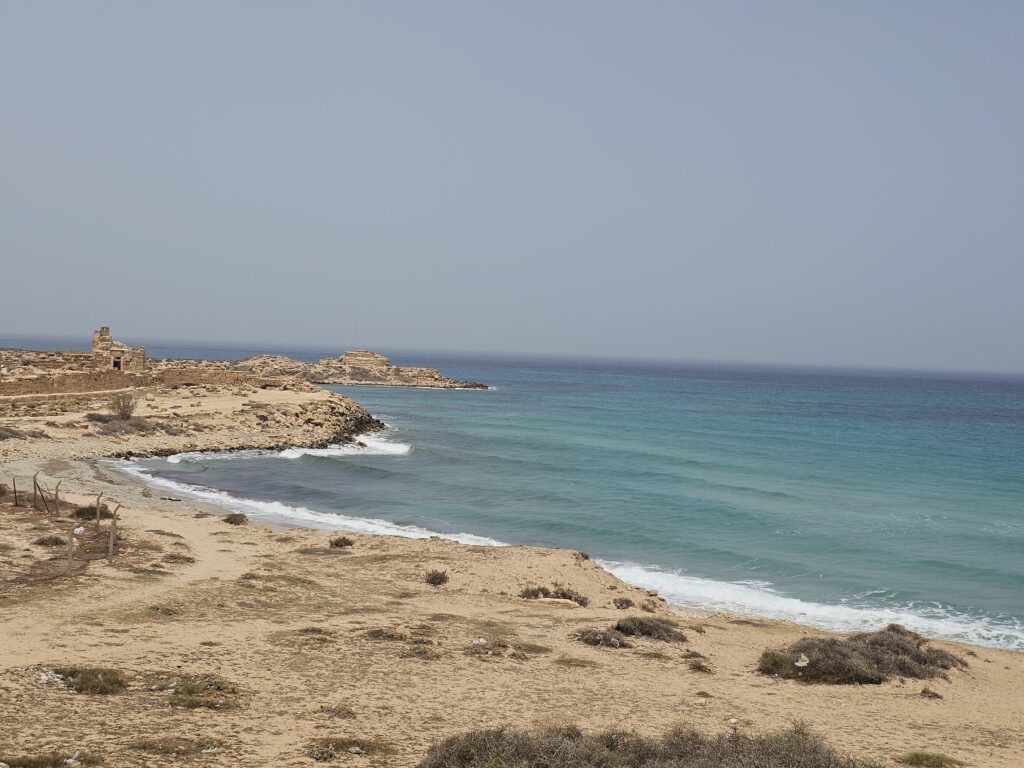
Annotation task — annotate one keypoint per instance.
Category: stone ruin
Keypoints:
(111, 355)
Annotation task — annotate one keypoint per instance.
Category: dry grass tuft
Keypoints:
(679, 748)
(575, 662)
(205, 691)
(436, 578)
(50, 541)
(866, 657)
(93, 680)
(178, 559)
(236, 518)
(929, 760)
(556, 591)
(603, 638)
(177, 746)
(340, 542)
(327, 749)
(622, 603)
(699, 665)
(47, 760)
(652, 627)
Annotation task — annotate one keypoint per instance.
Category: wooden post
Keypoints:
(42, 497)
(14, 482)
(112, 544)
(98, 511)
(56, 499)
(35, 489)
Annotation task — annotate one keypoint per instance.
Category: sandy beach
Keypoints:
(315, 641)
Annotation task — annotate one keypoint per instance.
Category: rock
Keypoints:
(355, 750)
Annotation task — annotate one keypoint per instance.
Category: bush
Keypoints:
(622, 603)
(604, 638)
(699, 665)
(679, 748)
(340, 542)
(203, 691)
(654, 628)
(93, 680)
(49, 541)
(865, 657)
(48, 760)
(436, 578)
(929, 760)
(556, 591)
(175, 745)
(123, 405)
(327, 749)
(89, 512)
(236, 518)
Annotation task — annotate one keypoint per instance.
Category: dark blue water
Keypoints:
(836, 499)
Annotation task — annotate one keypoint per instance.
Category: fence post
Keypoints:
(35, 488)
(56, 499)
(113, 537)
(14, 482)
(98, 511)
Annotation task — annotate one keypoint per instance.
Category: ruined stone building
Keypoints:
(108, 354)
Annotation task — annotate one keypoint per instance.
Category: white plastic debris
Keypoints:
(79, 530)
(803, 661)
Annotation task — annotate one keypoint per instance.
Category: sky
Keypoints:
(787, 183)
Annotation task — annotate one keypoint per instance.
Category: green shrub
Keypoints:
(93, 680)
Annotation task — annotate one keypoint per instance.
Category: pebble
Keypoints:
(355, 750)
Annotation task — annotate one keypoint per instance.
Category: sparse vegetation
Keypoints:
(178, 746)
(556, 591)
(436, 578)
(929, 760)
(123, 405)
(575, 662)
(50, 541)
(93, 680)
(48, 760)
(236, 518)
(88, 512)
(176, 558)
(679, 748)
(340, 711)
(603, 638)
(327, 749)
(866, 657)
(203, 691)
(653, 627)
(699, 665)
(928, 693)
(340, 542)
(622, 603)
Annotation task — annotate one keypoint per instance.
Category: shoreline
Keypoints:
(126, 480)
(303, 631)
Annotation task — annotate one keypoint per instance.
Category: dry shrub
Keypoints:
(327, 749)
(436, 578)
(928, 693)
(178, 746)
(93, 680)
(866, 657)
(236, 518)
(178, 559)
(49, 541)
(679, 748)
(340, 542)
(652, 627)
(88, 512)
(48, 760)
(929, 760)
(603, 638)
(203, 691)
(622, 603)
(575, 662)
(556, 591)
(699, 665)
(340, 711)
(123, 405)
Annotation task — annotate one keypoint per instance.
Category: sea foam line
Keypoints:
(365, 445)
(761, 600)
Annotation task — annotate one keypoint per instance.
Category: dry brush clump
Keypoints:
(655, 628)
(206, 691)
(929, 760)
(679, 748)
(863, 658)
(556, 591)
(177, 746)
(436, 578)
(48, 760)
(236, 518)
(341, 542)
(92, 680)
(324, 750)
(603, 638)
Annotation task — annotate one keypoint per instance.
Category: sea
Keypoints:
(839, 499)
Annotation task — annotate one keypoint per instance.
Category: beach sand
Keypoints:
(323, 642)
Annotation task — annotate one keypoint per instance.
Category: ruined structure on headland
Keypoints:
(111, 355)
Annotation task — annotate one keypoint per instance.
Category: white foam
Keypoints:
(759, 599)
(365, 445)
(275, 511)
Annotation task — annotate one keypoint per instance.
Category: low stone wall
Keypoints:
(97, 381)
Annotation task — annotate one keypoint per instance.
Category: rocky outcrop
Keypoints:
(363, 366)
(359, 367)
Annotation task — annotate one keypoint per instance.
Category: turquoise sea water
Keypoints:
(840, 500)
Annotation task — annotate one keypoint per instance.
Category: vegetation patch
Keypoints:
(622, 603)
(929, 760)
(340, 711)
(176, 558)
(236, 518)
(327, 749)
(679, 748)
(699, 665)
(574, 662)
(47, 760)
(177, 746)
(652, 627)
(203, 691)
(88, 512)
(50, 541)
(556, 591)
(98, 681)
(436, 578)
(603, 638)
(340, 542)
(866, 657)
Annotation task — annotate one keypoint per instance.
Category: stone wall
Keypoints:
(98, 381)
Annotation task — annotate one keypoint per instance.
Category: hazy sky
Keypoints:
(824, 183)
